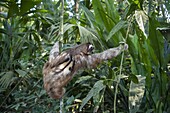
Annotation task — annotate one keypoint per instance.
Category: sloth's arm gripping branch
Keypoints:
(91, 61)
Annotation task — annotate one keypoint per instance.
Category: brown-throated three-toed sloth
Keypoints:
(60, 68)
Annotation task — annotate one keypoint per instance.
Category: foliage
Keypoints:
(29, 28)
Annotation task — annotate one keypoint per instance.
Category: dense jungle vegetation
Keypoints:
(138, 80)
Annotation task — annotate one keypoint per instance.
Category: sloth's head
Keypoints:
(85, 48)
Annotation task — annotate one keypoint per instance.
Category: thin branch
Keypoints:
(120, 72)
(61, 36)
(61, 105)
(62, 20)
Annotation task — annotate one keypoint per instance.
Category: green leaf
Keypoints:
(26, 5)
(89, 15)
(156, 41)
(141, 19)
(136, 93)
(98, 86)
(134, 79)
(86, 35)
(139, 50)
(116, 28)
(21, 72)
(100, 14)
(36, 38)
(13, 9)
(130, 10)
(67, 27)
(3, 31)
(134, 52)
(83, 78)
(112, 12)
(70, 100)
(6, 79)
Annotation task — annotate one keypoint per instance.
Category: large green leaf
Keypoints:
(100, 15)
(116, 28)
(112, 13)
(16, 9)
(26, 5)
(156, 41)
(139, 49)
(134, 52)
(86, 35)
(136, 93)
(141, 19)
(13, 9)
(67, 27)
(89, 15)
(6, 79)
(98, 86)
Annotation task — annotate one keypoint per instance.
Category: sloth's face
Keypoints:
(89, 48)
(84, 49)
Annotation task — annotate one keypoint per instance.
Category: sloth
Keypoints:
(60, 68)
